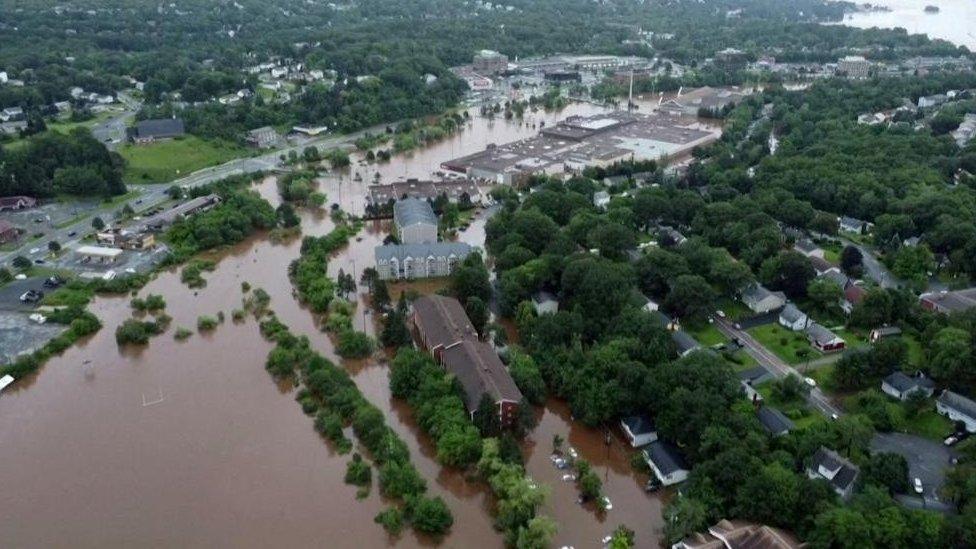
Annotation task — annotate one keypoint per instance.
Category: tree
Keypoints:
(913, 263)
(842, 528)
(97, 223)
(431, 516)
(174, 192)
(790, 271)
(825, 294)
(477, 312)
(21, 263)
(470, 279)
(287, 216)
(589, 482)
(622, 538)
(851, 261)
(525, 372)
(613, 240)
(690, 297)
(536, 534)
(53, 247)
(459, 446)
(683, 517)
(887, 470)
(950, 352)
(771, 497)
(395, 332)
(486, 417)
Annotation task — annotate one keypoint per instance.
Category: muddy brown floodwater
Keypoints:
(193, 444)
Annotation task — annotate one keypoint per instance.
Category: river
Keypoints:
(193, 444)
(955, 21)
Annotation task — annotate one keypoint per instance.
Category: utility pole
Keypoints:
(630, 95)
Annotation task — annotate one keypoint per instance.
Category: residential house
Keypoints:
(601, 199)
(957, 408)
(773, 421)
(14, 127)
(966, 130)
(838, 278)
(412, 261)
(911, 242)
(947, 302)
(823, 339)
(806, 247)
(666, 462)
(821, 265)
(932, 100)
(544, 303)
(853, 295)
(737, 534)
(760, 300)
(793, 318)
(12, 114)
(17, 202)
(840, 473)
(878, 334)
(649, 304)
(639, 430)
(900, 386)
(8, 233)
(684, 342)
(414, 221)
(854, 225)
(148, 131)
(673, 235)
(263, 138)
(443, 329)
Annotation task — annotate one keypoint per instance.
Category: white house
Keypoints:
(793, 318)
(544, 303)
(957, 408)
(667, 464)
(639, 430)
(900, 386)
(840, 473)
(806, 247)
(760, 300)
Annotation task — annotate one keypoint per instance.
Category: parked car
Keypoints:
(951, 440)
(31, 296)
(917, 485)
(53, 282)
(73, 233)
(810, 381)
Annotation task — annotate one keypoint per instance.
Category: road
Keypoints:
(775, 365)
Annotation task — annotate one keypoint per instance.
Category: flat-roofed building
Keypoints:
(415, 221)
(454, 189)
(99, 253)
(854, 66)
(488, 62)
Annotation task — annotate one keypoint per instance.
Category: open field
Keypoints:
(167, 160)
(788, 345)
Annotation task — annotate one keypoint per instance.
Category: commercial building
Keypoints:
(411, 261)
(701, 99)
(17, 203)
(454, 189)
(180, 211)
(578, 142)
(99, 253)
(488, 62)
(263, 138)
(442, 328)
(854, 66)
(147, 131)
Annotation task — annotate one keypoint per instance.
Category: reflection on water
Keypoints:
(192, 444)
(955, 21)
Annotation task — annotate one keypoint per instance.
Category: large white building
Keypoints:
(415, 221)
(410, 261)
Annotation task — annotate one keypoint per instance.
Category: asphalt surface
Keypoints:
(775, 365)
(927, 459)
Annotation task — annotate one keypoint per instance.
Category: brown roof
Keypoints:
(742, 535)
(443, 320)
(476, 365)
(855, 294)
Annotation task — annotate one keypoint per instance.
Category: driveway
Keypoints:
(927, 459)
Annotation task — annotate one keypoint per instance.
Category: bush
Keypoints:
(192, 274)
(353, 344)
(358, 472)
(182, 333)
(391, 519)
(206, 323)
(431, 516)
(136, 332)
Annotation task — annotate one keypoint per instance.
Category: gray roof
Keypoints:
(821, 265)
(831, 460)
(756, 293)
(905, 384)
(791, 314)
(955, 301)
(774, 421)
(639, 425)
(433, 249)
(411, 211)
(837, 278)
(542, 297)
(852, 222)
(886, 331)
(442, 320)
(959, 403)
(755, 375)
(479, 370)
(684, 342)
(665, 457)
(820, 334)
(163, 127)
(806, 245)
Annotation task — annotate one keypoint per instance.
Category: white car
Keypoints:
(810, 381)
(950, 441)
(720, 313)
(917, 484)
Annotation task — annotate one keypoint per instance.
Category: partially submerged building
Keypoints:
(411, 261)
(414, 221)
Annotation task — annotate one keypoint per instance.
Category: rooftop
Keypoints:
(639, 425)
(958, 402)
(959, 300)
(844, 472)
(665, 457)
(443, 319)
(433, 249)
(479, 370)
(413, 211)
(453, 189)
(163, 127)
(821, 335)
(905, 384)
(774, 421)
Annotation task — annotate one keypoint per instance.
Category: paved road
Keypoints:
(775, 365)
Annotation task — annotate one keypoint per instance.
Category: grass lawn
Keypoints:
(784, 343)
(705, 333)
(167, 160)
(741, 360)
(824, 376)
(854, 338)
(927, 423)
(916, 355)
(733, 309)
(797, 410)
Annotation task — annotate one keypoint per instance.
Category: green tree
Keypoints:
(825, 294)
(536, 534)
(431, 516)
(97, 223)
(477, 312)
(486, 417)
(690, 297)
(21, 263)
(842, 528)
(887, 470)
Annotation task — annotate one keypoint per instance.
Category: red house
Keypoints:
(823, 339)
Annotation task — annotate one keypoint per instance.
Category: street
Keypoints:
(775, 365)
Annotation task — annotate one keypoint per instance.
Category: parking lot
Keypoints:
(10, 294)
(927, 459)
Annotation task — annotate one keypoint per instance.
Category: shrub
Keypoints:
(182, 333)
(192, 274)
(353, 344)
(136, 332)
(206, 323)
(391, 519)
(358, 472)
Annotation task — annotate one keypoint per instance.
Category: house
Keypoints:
(414, 221)
(476, 366)
(760, 300)
(853, 295)
(823, 339)
(17, 202)
(854, 225)
(673, 235)
(737, 534)
(544, 303)
(666, 462)
(639, 430)
(12, 128)
(11, 114)
(457, 191)
(900, 386)
(263, 138)
(751, 378)
(878, 334)
(773, 421)
(601, 199)
(442, 328)
(947, 302)
(649, 304)
(8, 233)
(411, 261)
(684, 342)
(957, 408)
(838, 278)
(911, 242)
(840, 473)
(793, 318)
(927, 101)
(147, 131)
(806, 247)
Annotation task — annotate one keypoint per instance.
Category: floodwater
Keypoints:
(193, 444)
(955, 21)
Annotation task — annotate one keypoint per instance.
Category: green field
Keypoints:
(706, 334)
(928, 423)
(784, 343)
(797, 410)
(168, 160)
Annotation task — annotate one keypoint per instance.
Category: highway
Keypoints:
(775, 365)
